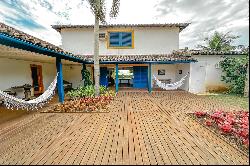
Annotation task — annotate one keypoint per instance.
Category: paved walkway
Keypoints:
(139, 129)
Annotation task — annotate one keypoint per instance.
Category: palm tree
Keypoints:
(99, 10)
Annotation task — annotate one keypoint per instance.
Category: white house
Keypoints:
(147, 43)
(134, 47)
(143, 49)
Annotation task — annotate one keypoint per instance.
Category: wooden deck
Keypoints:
(141, 128)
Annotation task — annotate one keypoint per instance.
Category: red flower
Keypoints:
(226, 128)
(208, 122)
(200, 114)
(246, 142)
(244, 133)
(216, 115)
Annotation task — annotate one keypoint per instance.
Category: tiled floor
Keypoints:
(141, 128)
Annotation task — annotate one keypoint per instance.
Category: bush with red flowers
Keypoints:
(232, 125)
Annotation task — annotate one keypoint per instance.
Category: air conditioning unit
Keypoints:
(102, 36)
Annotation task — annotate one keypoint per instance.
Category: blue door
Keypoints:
(140, 77)
(104, 76)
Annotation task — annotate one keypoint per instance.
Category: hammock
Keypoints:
(170, 86)
(12, 102)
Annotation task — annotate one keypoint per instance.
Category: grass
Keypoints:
(231, 99)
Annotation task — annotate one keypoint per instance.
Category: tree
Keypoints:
(99, 10)
(234, 70)
(246, 88)
(219, 42)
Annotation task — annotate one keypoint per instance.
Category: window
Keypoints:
(123, 39)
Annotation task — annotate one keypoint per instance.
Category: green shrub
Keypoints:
(103, 89)
(234, 73)
(86, 76)
(89, 91)
(73, 94)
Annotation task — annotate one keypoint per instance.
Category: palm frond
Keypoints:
(115, 8)
(99, 10)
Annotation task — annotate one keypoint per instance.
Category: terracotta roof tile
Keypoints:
(138, 58)
(208, 52)
(180, 25)
(28, 38)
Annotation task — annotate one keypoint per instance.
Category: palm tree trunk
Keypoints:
(246, 89)
(96, 57)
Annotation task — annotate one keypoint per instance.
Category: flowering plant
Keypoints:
(231, 124)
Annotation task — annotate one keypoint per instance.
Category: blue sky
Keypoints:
(36, 16)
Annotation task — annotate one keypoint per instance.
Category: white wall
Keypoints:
(72, 74)
(18, 72)
(211, 76)
(146, 41)
(170, 71)
(185, 67)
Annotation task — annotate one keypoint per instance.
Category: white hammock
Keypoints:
(12, 102)
(170, 86)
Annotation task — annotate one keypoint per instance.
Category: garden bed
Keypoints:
(86, 104)
(233, 127)
(83, 99)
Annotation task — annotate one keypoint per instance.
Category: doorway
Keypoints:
(140, 76)
(125, 76)
(37, 79)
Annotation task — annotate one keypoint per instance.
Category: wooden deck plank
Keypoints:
(140, 128)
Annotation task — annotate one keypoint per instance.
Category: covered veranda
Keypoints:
(17, 45)
(143, 68)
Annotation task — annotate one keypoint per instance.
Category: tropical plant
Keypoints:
(103, 89)
(234, 72)
(86, 76)
(73, 94)
(219, 42)
(89, 91)
(99, 9)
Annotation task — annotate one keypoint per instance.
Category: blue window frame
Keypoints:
(120, 40)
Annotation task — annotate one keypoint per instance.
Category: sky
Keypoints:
(206, 16)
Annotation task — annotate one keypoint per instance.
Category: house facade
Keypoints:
(130, 55)
(144, 49)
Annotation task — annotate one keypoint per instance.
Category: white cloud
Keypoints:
(206, 16)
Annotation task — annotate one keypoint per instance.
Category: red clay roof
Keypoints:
(138, 58)
(29, 38)
(180, 25)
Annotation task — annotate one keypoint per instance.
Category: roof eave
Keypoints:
(180, 25)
